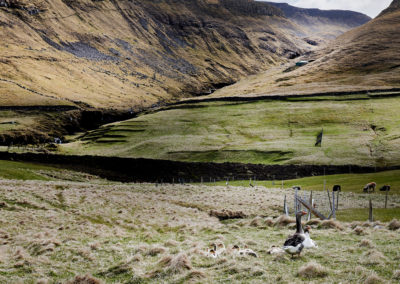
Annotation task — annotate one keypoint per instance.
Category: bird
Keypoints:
(241, 252)
(308, 243)
(220, 249)
(212, 252)
(275, 250)
(295, 243)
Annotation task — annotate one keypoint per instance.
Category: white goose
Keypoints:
(295, 244)
(241, 252)
(308, 242)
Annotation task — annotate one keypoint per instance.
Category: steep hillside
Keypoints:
(126, 54)
(322, 24)
(364, 58)
(123, 54)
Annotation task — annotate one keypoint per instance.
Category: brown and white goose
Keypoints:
(295, 243)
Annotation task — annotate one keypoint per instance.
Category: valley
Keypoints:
(198, 141)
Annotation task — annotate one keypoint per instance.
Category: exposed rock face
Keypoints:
(132, 54)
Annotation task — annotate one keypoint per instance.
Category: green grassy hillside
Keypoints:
(363, 132)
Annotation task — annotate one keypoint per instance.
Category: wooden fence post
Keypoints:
(337, 201)
(285, 207)
(311, 202)
(333, 205)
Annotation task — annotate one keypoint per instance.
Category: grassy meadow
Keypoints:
(104, 232)
(362, 132)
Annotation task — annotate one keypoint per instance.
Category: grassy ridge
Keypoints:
(362, 132)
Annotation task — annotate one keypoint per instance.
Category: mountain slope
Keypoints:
(323, 24)
(133, 54)
(125, 54)
(364, 58)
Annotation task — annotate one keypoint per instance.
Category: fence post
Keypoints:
(282, 184)
(371, 217)
(285, 207)
(295, 201)
(386, 199)
(333, 205)
(311, 202)
(337, 201)
(329, 198)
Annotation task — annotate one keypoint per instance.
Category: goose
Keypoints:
(246, 251)
(308, 243)
(295, 244)
(275, 250)
(212, 252)
(220, 249)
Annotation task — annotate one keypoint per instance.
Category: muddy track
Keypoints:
(148, 170)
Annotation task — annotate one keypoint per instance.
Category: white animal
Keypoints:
(242, 252)
(308, 242)
(275, 250)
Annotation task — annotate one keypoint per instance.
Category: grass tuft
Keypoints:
(394, 225)
(86, 279)
(312, 270)
(373, 279)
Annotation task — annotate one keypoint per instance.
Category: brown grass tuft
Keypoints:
(42, 281)
(87, 279)
(359, 231)
(227, 214)
(366, 243)
(171, 243)
(284, 220)
(176, 264)
(153, 251)
(256, 222)
(394, 225)
(312, 270)
(196, 274)
(331, 224)
(269, 221)
(373, 279)
(374, 257)
(315, 222)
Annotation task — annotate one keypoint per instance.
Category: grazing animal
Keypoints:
(385, 188)
(337, 188)
(308, 243)
(296, 187)
(295, 243)
(246, 251)
(369, 187)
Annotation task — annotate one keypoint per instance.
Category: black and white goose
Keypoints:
(295, 244)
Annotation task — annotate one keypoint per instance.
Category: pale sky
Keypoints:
(370, 7)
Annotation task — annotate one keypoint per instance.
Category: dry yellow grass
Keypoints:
(112, 232)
